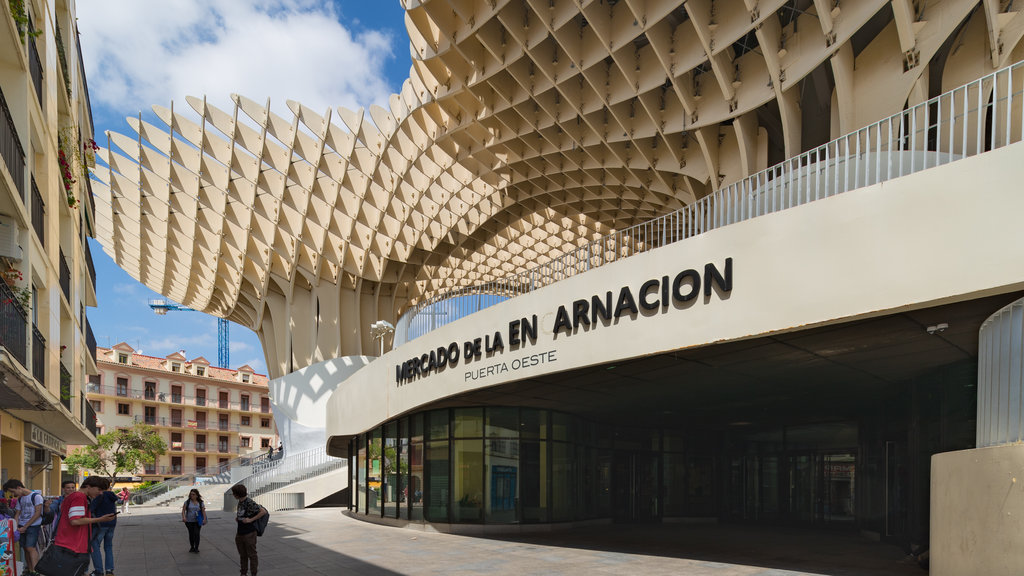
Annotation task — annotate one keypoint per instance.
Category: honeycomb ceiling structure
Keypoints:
(526, 128)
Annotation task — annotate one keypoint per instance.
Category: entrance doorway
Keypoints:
(635, 485)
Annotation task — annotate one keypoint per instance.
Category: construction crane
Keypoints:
(162, 307)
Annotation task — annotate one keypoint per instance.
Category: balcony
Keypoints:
(176, 398)
(38, 356)
(200, 446)
(65, 387)
(223, 404)
(35, 67)
(13, 325)
(38, 214)
(150, 394)
(10, 147)
(90, 340)
(63, 58)
(89, 418)
(88, 253)
(65, 277)
(201, 401)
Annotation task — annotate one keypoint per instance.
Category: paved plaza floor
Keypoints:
(154, 542)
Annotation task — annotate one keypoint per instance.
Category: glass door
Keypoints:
(839, 487)
(635, 481)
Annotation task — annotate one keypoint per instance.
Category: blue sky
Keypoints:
(347, 52)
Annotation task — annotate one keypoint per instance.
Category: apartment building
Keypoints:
(207, 415)
(47, 279)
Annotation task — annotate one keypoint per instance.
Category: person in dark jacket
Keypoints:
(248, 511)
(67, 488)
(103, 534)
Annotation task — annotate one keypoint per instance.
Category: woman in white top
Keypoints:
(193, 514)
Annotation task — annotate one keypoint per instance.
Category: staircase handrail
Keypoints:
(143, 496)
(293, 468)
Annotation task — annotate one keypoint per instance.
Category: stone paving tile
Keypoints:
(315, 542)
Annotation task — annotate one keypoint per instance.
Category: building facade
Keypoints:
(47, 349)
(647, 262)
(207, 415)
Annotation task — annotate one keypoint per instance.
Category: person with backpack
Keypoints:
(30, 521)
(103, 534)
(247, 515)
(193, 514)
(69, 553)
(67, 488)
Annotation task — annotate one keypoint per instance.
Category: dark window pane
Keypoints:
(533, 424)
(534, 457)
(503, 422)
(389, 472)
(469, 423)
(373, 475)
(502, 477)
(468, 488)
(438, 426)
(563, 482)
(437, 481)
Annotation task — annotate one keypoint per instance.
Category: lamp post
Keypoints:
(380, 330)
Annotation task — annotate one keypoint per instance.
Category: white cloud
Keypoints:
(144, 53)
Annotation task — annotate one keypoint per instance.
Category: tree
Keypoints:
(122, 450)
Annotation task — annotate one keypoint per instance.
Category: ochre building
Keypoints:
(207, 415)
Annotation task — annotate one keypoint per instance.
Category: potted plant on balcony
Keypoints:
(22, 294)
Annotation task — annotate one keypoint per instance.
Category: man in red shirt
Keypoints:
(75, 518)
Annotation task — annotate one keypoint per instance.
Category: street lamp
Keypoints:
(380, 330)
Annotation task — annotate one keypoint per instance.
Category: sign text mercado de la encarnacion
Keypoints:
(654, 294)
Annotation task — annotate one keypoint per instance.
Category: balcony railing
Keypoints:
(186, 423)
(88, 262)
(13, 325)
(65, 277)
(38, 356)
(10, 146)
(90, 339)
(89, 418)
(34, 65)
(183, 400)
(980, 116)
(65, 387)
(85, 91)
(62, 56)
(38, 214)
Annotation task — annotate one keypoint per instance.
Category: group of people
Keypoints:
(193, 514)
(84, 520)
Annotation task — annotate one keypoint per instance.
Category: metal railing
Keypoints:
(38, 209)
(290, 469)
(65, 276)
(63, 58)
(89, 418)
(89, 264)
(186, 423)
(179, 399)
(38, 356)
(65, 387)
(13, 325)
(280, 501)
(10, 146)
(90, 339)
(35, 66)
(224, 468)
(983, 115)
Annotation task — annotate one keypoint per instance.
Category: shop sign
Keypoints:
(600, 311)
(43, 438)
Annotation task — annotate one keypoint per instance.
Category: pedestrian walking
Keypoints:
(103, 534)
(124, 494)
(30, 521)
(193, 514)
(71, 547)
(247, 513)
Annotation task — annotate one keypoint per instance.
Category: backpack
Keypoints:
(47, 515)
(261, 523)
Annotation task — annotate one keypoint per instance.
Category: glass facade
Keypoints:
(494, 465)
